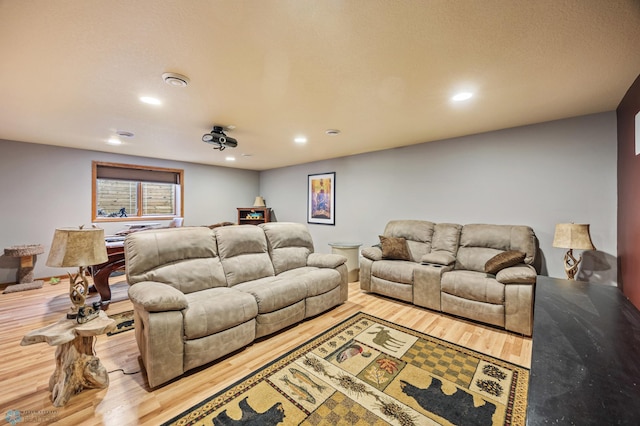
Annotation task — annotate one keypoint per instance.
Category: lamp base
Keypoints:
(571, 264)
(78, 290)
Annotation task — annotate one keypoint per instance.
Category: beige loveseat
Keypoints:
(444, 268)
(200, 293)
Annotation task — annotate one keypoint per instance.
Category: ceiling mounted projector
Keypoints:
(218, 139)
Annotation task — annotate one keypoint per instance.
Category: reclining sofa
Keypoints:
(199, 293)
(480, 272)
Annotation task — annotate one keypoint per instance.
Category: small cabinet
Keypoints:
(253, 215)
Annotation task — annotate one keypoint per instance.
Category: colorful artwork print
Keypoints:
(321, 199)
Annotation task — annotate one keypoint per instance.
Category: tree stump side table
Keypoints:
(77, 367)
(27, 254)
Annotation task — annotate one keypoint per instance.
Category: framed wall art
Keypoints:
(321, 203)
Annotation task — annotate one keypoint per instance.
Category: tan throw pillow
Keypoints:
(394, 248)
(503, 260)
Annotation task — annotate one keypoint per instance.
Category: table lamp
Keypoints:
(77, 247)
(259, 202)
(572, 236)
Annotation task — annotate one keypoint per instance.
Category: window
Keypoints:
(129, 192)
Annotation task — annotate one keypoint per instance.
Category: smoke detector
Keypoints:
(176, 80)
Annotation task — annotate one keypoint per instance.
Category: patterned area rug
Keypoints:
(124, 322)
(368, 371)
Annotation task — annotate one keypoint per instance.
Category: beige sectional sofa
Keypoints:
(444, 268)
(200, 293)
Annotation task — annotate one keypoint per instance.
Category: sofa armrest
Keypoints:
(157, 297)
(518, 274)
(442, 258)
(372, 253)
(326, 260)
(426, 285)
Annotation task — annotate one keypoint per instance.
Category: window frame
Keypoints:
(179, 173)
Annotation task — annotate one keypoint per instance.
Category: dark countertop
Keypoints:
(585, 365)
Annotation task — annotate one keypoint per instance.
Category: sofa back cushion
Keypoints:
(418, 234)
(289, 245)
(184, 258)
(479, 243)
(244, 253)
(446, 237)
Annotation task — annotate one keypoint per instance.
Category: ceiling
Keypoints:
(382, 72)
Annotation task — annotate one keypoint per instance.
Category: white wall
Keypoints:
(45, 187)
(538, 175)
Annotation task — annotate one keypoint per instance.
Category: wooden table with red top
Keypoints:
(115, 261)
(102, 272)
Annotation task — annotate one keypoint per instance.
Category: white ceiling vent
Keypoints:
(176, 80)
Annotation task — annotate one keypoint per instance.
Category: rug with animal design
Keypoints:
(368, 371)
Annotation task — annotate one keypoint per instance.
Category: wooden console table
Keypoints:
(585, 364)
(77, 367)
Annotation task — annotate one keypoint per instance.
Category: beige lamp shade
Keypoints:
(259, 202)
(573, 236)
(77, 247)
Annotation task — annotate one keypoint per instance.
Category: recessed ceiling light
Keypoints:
(149, 100)
(300, 139)
(114, 141)
(230, 158)
(332, 132)
(462, 96)
(175, 80)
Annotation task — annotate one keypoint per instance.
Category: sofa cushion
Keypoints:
(274, 293)
(474, 258)
(372, 253)
(517, 274)
(321, 281)
(438, 258)
(446, 237)
(244, 253)
(472, 285)
(503, 260)
(184, 258)
(326, 260)
(418, 234)
(400, 271)
(217, 309)
(289, 244)
(318, 281)
(157, 297)
(500, 237)
(394, 248)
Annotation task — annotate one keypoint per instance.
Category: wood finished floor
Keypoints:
(25, 370)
